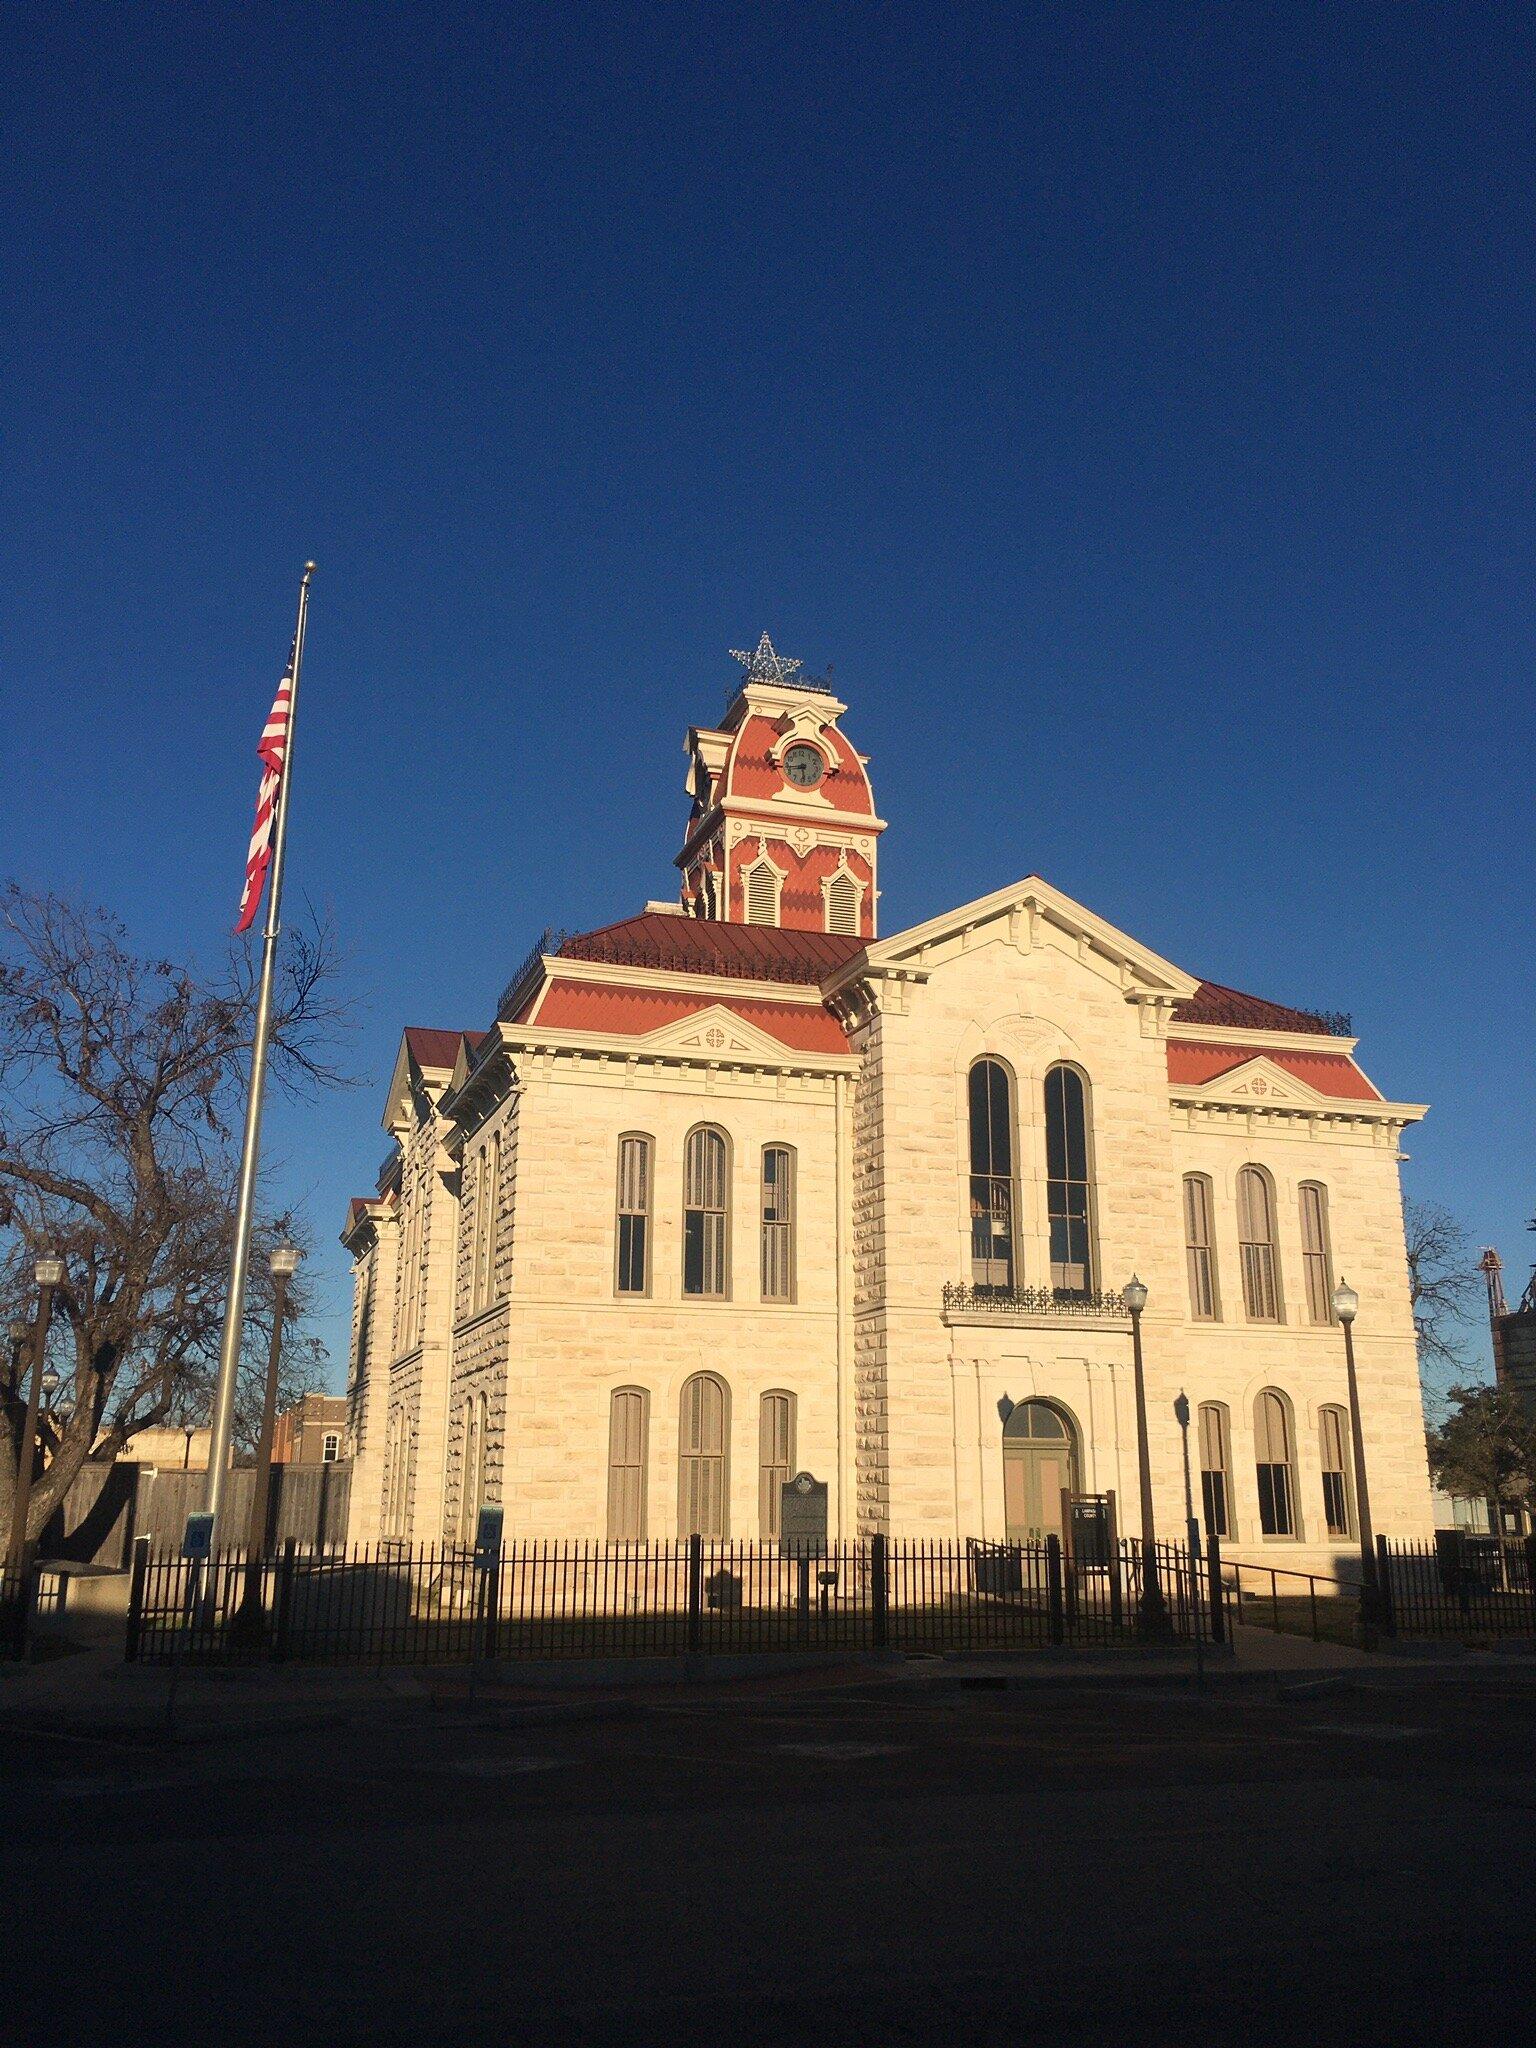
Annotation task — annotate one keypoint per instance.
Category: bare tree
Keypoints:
(122, 1082)
(1444, 1288)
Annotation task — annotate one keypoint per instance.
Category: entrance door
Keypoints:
(1039, 1463)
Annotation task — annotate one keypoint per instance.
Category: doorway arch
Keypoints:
(1040, 1462)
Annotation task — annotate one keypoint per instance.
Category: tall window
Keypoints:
(490, 1177)
(1216, 1468)
(1338, 1506)
(1316, 1254)
(628, 1430)
(702, 1465)
(775, 1459)
(1276, 1466)
(472, 1487)
(1256, 1237)
(991, 1112)
(633, 1270)
(1069, 1190)
(705, 1163)
(843, 903)
(762, 892)
(778, 1223)
(1199, 1248)
(330, 1447)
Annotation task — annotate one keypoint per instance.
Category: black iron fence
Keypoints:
(17, 1592)
(394, 1604)
(1460, 1585)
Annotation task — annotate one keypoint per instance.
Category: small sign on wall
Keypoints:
(803, 1517)
(488, 1536)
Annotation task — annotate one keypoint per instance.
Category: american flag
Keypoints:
(272, 753)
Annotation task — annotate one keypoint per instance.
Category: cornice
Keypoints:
(1262, 1039)
(614, 1048)
(612, 975)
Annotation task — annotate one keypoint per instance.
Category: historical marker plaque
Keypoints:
(803, 1517)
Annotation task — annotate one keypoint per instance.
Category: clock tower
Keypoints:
(783, 827)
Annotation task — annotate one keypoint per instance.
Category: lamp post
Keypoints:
(49, 1274)
(1346, 1304)
(1152, 1623)
(284, 1263)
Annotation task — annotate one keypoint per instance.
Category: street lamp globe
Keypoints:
(1134, 1295)
(284, 1261)
(19, 1333)
(51, 1381)
(1345, 1302)
(49, 1271)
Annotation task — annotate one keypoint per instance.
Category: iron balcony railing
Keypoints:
(962, 1299)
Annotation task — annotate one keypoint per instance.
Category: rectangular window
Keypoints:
(1199, 1253)
(1215, 1469)
(1333, 1429)
(634, 1218)
(776, 1459)
(704, 1214)
(330, 1447)
(627, 1433)
(778, 1223)
(1316, 1261)
(1256, 1236)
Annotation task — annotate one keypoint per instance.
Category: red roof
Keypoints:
(599, 1006)
(1211, 1003)
(700, 945)
(1330, 1073)
(430, 1048)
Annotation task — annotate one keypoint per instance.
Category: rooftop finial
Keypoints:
(762, 665)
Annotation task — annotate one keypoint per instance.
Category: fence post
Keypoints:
(1113, 1563)
(1530, 1575)
(1053, 1589)
(1384, 1580)
(492, 1601)
(879, 1593)
(1217, 1599)
(283, 1602)
(695, 1592)
(134, 1630)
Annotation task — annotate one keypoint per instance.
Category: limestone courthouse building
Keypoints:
(739, 1186)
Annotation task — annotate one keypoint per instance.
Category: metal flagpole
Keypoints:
(245, 1200)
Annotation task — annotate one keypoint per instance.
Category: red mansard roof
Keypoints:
(1330, 1073)
(698, 945)
(429, 1048)
(1212, 1003)
(599, 1006)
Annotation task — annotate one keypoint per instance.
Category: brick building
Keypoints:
(735, 1187)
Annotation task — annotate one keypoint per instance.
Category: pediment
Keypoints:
(1022, 915)
(1260, 1082)
(714, 1033)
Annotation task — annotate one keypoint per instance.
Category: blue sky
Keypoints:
(1133, 403)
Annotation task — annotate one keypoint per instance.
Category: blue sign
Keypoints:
(488, 1536)
(197, 1538)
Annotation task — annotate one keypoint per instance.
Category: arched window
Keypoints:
(702, 1462)
(761, 884)
(629, 1419)
(1215, 1468)
(775, 1459)
(632, 1273)
(1256, 1237)
(1316, 1252)
(1200, 1248)
(706, 1164)
(842, 894)
(993, 1263)
(778, 1223)
(1338, 1495)
(1069, 1186)
(1276, 1464)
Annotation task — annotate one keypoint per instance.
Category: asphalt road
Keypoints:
(970, 1865)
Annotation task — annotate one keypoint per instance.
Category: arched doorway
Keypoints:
(1039, 1463)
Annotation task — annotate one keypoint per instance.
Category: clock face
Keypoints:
(803, 766)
